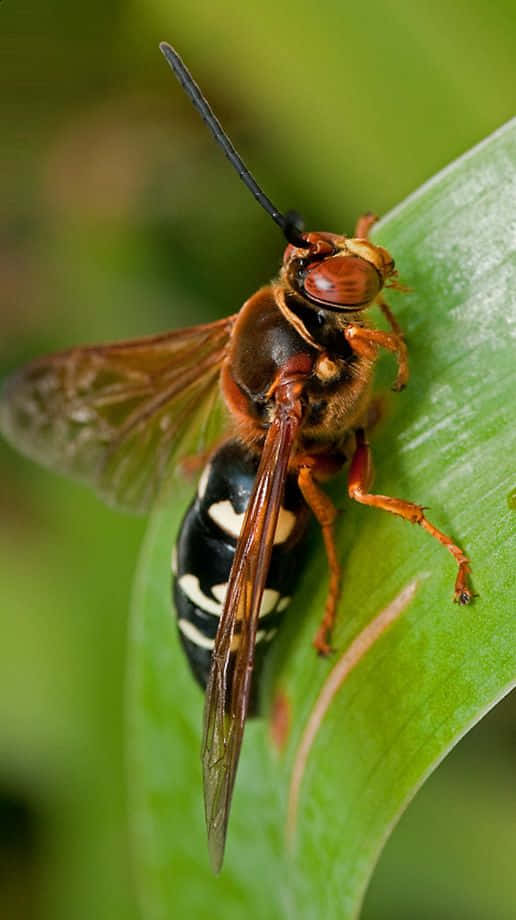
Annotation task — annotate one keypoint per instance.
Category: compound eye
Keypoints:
(345, 281)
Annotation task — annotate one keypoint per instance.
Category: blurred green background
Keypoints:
(119, 217)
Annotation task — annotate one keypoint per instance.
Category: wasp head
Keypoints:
(336, 272)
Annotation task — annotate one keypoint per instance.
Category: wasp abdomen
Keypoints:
(204, 553)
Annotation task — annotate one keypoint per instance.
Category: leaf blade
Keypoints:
(447, 443)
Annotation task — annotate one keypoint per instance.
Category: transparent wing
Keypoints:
(120, 416)
(229, 685)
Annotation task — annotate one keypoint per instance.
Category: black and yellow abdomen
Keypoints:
(204, 553)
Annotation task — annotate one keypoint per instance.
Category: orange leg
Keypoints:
(389, 316)
(364, 224)
(359, 480)
(325, 512)
(366, 342)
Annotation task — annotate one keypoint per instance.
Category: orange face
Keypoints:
(337, 272)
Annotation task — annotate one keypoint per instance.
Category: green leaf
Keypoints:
(444, 442)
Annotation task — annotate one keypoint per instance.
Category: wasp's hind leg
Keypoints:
(359, 481)
(325, 512)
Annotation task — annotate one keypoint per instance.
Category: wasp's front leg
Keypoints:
(365, 342)
(364, 224)
(389, 316)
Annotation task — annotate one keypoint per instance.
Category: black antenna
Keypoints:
(291, 222)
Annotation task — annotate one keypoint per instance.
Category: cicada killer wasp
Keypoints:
(293, 369)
